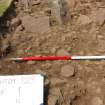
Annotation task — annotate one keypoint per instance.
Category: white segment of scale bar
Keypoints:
(87, 57)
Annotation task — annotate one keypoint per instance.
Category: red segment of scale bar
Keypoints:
(47, 58)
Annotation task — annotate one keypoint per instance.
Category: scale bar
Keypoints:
(42, 58)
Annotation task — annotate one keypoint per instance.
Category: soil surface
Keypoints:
(29, 30)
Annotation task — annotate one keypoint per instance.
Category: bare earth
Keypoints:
(66, 82)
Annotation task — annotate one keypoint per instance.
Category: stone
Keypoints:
(67, 71)
(53, 100)
(6, 46)
(71, 4)
(101, 47)
(98, 90)
(47, 65)
(19, 28)
(15, 22)
(40, 72)
(26, 4)
(84, 20)
(60, 12)
(98, 16)
(20, 52)
(47, 82)
(36, 25)
(97, 101)
(53, 50)
(62, 52)
(56, 12)
(57, 81)
(36, 2)
(31, 62)
(55, 91)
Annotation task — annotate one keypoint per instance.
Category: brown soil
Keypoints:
(83, 83)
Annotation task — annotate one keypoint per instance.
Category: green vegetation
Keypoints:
(4, 4)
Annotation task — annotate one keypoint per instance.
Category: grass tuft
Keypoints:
(4, 4)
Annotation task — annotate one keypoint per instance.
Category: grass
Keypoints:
(4, 4)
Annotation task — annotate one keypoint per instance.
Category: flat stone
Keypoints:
(62, 52)
(36, 25)
(67, 71)
(15, 22)
(36, 2)
(31, 62)
(83, 20)
(71, 4)
(19, 28)
(6, 45)
(53, 100)
(60, 12)
(101, 47)
(98, 90)
(57, 81)
(98, 16)
(55, 91)
(40, 72)
(97, 101)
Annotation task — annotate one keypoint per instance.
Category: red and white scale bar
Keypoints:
(41, 58)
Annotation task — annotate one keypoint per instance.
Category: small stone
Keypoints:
(20, 52)
(84, 20)
(71, 4)
(15, 22)
(47, 65)
(97, 101)
(98, 16)
(62, 52)
(63, 38)
(31, 62)
(101, 47)
(56, 81)
(40, 72)
(6, 46)
(53, 100)
(60, 12)
(98, 91)
(53, 50)
(67, 71)
(47, 82)
(19, 28)
(55, 91)
(36, 2)
(36, 25)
